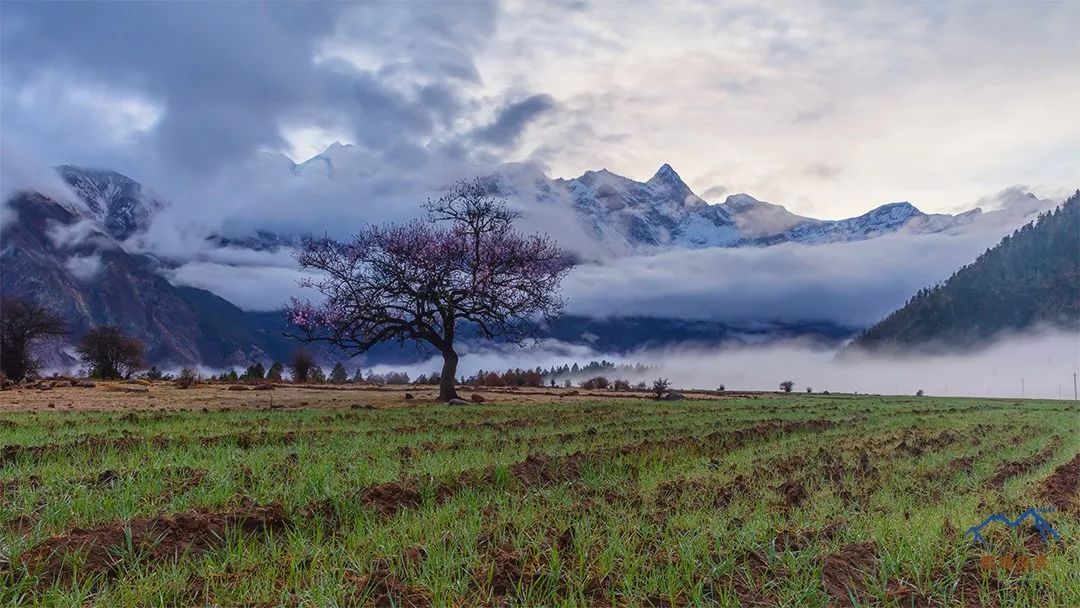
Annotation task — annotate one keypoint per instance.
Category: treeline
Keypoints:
(1030, 277)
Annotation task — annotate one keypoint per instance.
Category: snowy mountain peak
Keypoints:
(665, 175)
(117, 203)
(740, 201)
(901, 211)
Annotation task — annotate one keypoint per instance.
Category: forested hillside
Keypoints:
(1029, 278)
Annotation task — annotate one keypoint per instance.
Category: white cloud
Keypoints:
(1045, 360)
(249, 287)
(83, 267)
(846, 283)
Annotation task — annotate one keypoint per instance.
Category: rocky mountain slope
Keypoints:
(70, 256)
(1032, 277)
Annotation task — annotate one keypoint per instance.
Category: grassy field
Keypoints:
(324, 498)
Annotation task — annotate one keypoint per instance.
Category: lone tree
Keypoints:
(255, 371)
(418, 282)
(787, 385)
(109, 354)
(301, 365)
(338, 375)
(659, 387)
(275, 371)
(23, 324)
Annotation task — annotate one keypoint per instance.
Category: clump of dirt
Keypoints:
(750, 577)
(907, 594)
(738, 486)
(1061, 487)
(1011, 469)
(971, 577)
(844, 573)
(391, 497)
(11, 452)
(184, 479)
(108, 477)
(541, 469)
(503, 571)
(794, 494)
(797, 540)
(385, 589)
(962, 465)
(13, 485)
(105, 550)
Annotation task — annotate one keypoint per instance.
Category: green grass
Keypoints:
(645, 503)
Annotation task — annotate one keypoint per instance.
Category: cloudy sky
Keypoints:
(828, 108)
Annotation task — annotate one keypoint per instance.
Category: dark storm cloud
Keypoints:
(226, 77)
(223, 73)
(512, 120)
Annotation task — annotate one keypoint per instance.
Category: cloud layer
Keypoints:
(825, 107)
(1043, 360)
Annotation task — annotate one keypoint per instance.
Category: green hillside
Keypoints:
(1031, 277)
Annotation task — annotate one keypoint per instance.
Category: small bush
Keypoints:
(621, 385)
(659, 387)
(720, 388)
(188, 378)
(919, 393)
(787, 386)
(809, 390)
(599, 382)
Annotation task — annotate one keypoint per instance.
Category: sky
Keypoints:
(828, 108)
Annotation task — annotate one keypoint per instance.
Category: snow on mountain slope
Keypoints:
(658, 214)
(598, 212)
(116, 203)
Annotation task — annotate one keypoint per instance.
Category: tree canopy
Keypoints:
(416, 282)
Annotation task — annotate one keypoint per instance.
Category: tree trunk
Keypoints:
(448, 379)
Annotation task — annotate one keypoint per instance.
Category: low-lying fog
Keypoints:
(1036, 364)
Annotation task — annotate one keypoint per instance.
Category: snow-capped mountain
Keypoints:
(79, 254)
(621, 215)
(627, 217)
(117, 204)
(662, 212)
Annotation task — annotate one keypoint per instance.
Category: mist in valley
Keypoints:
(1037, 364)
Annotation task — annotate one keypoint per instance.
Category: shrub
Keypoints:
(275, 372)
(621, 385)
(338, 375)
(568, 384)
(317, 375)
(809, 390)
(188, 378)
(255, 372)
(720, 388)
(109, 353)
(23, 324)
(599, 382)
(919, 393)
(659, 387)
(787, 386)
(302, 362)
